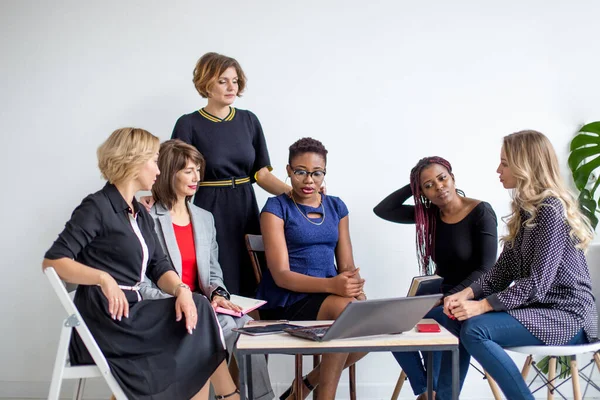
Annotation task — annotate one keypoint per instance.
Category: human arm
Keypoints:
(546, 241)
(393, 209)
(495, 279)
(72, 271)
(163, 274)
(170, 282)
(269, 182)
(85, 225)
(216, 284)
(343, 253)
(461, 305)
(261, 170)
(484, 233)
(344, 284)
(148, 289)
(463, 310)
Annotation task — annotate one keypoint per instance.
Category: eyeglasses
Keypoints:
(301, 174)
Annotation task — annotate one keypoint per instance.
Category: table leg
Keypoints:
(455, 374)
(241, 360)
(299, 383)
(430, 374)
(249, 377)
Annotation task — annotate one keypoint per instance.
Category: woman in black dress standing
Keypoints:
(107, 247)
(235, 150)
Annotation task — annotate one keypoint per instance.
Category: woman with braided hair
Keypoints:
(456, 238)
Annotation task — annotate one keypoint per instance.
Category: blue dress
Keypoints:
(311, 248)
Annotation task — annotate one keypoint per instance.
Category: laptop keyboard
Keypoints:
(317, 331)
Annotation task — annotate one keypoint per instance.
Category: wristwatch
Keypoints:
(181, 285)
(220, 292)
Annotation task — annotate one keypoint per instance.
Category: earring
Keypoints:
(286, 179)
(426, 202)
(460, 193)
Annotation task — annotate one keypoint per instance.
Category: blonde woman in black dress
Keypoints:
(161, 349)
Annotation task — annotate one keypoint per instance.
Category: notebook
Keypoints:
(371, 317)
(248, 304)
(427, 284)
(264, 330)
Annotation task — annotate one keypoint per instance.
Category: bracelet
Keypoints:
(181, 285)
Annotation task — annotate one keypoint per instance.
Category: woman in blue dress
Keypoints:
(311, 273)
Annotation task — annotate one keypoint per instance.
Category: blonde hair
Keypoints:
(208, 69)
(534, 164)
(124, 152)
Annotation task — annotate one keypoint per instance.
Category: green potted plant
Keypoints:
(583, 161)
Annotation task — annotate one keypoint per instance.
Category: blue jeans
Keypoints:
(414, 367)
(484, 337)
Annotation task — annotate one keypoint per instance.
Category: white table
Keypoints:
(282, 343)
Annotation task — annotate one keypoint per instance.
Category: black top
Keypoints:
(101, 235)
(552, 292)
(463, 250)
(234, 146)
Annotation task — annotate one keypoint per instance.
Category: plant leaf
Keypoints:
(579, 155)
(592, 127)
(588, 206)
(582, 174)
(584, 139)
(543, 364)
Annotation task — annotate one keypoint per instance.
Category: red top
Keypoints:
(185, 241)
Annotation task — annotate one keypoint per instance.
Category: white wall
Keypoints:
(382, 83)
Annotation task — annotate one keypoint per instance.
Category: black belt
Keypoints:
(233, 182)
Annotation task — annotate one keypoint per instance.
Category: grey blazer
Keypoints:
(210, 275)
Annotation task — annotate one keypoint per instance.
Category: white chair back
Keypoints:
(62, 367)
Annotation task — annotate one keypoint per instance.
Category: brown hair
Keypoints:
(124, 152)
(208, 69)
(173, 156)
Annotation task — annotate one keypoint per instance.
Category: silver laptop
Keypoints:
(371, 317)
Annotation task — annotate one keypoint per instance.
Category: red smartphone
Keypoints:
(428, 328)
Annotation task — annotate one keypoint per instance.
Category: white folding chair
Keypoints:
(62, 367)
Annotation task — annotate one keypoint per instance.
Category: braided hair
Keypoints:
(425, 214)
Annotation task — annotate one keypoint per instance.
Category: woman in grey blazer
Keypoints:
(187, 234)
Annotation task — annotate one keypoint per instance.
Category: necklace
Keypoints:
(306, 216)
